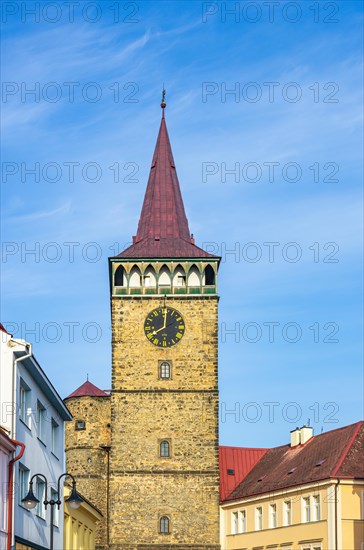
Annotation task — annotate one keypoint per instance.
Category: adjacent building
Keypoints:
(80, 524)
(7, 448)
(32, 413)
(308, 495)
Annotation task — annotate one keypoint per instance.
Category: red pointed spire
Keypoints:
(163, 227)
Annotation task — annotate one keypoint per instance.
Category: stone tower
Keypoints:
(164, 477)
(87, 449)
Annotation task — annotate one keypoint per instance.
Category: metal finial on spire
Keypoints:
(163, 103)
(87, 377)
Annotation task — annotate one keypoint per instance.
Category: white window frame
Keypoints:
(55, 437)
(41, 421)
(234, 523)
(23, 481)
(54, 496)
(316, 508)
(40, 494)
(272, 516)
(306, 510)
(24, 403)
(287, 513)
(242, 521)
(259, 518)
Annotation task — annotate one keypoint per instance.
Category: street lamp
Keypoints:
(74, 500)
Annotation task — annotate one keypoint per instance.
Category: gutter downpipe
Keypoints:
(336, 522)
(10, 491)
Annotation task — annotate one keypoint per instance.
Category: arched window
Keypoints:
(165, 370)
(193, 277)
(135, 277)
(119, 276)
(164, 276)
(209, 275)
(164, 524)
(164, 449)
(150, 279)
(179, 277)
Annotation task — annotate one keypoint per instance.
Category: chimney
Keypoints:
(295, 437)
(306, 434)
(299, 436)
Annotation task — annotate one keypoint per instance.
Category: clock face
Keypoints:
(164, 327)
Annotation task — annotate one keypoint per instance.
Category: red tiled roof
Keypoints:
(338, 451)
(235, 463)
(88, 389)
(163, 230)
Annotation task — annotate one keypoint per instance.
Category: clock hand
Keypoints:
(164, 325)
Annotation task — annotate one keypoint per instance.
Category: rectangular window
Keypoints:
(306, 510)
(287, 513)
(41, 421)
(55, 437)
(272, 516)
(258, 518)
(40, 494)
(316, 508)
(234, 526)
(24, 403)
(54, 496)
(23, 485)
(242, 521)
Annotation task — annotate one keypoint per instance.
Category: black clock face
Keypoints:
(164, 327)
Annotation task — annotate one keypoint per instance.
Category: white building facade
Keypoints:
(32, 413)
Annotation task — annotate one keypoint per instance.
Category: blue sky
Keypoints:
(89, 131)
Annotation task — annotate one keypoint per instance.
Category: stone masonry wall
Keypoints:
(145, 410)
(85, 459)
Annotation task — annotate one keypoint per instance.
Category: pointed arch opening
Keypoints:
(135, 280)
(119, 276)
(179, 277)
(164, 279)
(150, 280)
(209, 276)
(194, 279)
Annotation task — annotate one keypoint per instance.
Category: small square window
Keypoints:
(80, 425)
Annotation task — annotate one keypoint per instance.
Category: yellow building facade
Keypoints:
(80, 525)
(326, 514)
